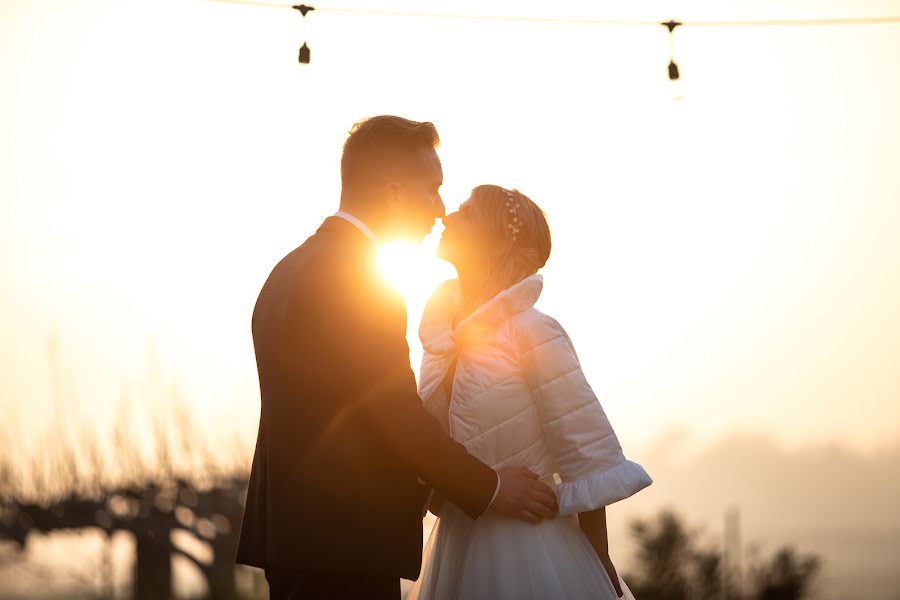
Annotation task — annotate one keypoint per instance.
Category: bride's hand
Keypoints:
(523, 497)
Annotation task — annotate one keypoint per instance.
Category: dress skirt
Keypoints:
(499, 558)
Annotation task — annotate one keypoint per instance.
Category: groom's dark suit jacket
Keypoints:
(343, 436)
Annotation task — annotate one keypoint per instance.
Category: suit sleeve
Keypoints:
(377, 356)
(584, 448)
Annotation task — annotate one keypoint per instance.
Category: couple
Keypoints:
(503, 440)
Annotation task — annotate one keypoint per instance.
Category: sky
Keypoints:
(725, 257)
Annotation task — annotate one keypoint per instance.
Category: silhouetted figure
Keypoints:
(518, 396)
(335, 502)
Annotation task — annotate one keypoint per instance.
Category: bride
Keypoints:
(504, 380)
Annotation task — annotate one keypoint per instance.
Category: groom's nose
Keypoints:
(439, 209)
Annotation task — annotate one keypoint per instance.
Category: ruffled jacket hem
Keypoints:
(602, 488)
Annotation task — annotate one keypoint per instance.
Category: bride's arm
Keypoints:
(585, 450)
(593, 524)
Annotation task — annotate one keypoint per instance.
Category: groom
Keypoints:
(335, 500)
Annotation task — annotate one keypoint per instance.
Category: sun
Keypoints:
(412, 269)
(415, 271)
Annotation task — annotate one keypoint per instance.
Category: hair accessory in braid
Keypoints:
(513, 207)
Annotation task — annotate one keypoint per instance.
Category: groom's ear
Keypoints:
(392, 189)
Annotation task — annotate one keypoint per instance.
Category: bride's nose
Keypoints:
(447, 219)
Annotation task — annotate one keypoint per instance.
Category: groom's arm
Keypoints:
(390, 403)
(368, 340)
(434, 501)
(395, 412)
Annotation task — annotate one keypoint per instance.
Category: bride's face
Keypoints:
(465, 241)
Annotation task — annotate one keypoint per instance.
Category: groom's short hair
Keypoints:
(384, 141)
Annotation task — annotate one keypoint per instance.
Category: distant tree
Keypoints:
(786, 576)
(708, 577)
(671, 565)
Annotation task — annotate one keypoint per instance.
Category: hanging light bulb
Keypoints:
(673, 67)
(675, 84)
(673, 70)
(304, 54)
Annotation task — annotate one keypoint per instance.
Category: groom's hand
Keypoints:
(522, 496)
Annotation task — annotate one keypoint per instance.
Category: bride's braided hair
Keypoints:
(518, 231)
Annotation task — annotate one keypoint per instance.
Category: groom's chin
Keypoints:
(423, 235)
(407, 236)
(416, 238)
(418, 235)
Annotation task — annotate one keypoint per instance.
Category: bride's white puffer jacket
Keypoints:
(520, 397)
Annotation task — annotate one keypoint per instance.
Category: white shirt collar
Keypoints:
(359, 225)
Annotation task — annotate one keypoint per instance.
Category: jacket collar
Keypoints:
(357, 222)
(437, 333)
(349, 232)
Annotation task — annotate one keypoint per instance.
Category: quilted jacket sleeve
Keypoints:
(584, 448)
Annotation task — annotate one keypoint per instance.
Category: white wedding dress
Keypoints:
(498, 558)
(519, 398)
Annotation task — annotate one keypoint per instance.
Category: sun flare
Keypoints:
(412, 269)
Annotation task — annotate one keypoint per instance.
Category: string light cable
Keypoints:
(671, 25)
